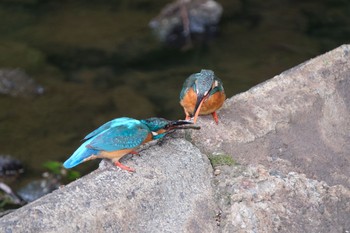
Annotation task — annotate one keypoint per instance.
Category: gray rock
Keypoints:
(15, 82)
(299, 121)
(170, 192)
(37, 188)
(252, 199)
(10, 166)
(288, 136)
(181, 21)
(293, 132)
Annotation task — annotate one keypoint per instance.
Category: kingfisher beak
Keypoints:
(200, 100)
(180, 124)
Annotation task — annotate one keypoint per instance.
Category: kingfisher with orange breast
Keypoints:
(122, 136)
(202, 94)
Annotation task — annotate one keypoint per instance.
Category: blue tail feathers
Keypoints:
(79, 155)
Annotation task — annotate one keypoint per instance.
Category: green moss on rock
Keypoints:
(221, 159)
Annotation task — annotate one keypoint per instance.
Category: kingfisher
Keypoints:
(121, 136)
(202, 94)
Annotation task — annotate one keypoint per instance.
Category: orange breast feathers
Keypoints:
(210, 105)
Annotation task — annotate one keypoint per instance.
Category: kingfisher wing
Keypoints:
(110, 124)
(117, 134)
(189, 83)
(120, 137)
(218, 88)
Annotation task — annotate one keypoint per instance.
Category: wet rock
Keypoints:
(17, 83)
(10, 167)
(181, 20)
(9, 199)
(37, 188)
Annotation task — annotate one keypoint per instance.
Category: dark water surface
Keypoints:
(98, 60)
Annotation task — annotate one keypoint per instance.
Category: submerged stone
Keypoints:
(182, 21)
(10, 166)
(15, 82)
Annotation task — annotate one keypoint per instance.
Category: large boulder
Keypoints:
(170, 191)
(291, 135)
(298, 121)
(255, 199)
(280, 155)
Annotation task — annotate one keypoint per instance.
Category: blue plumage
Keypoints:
(113, 123)
(118, 137)
(79, 155)
(117, 134)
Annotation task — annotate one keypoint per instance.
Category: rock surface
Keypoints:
(289, 138)
(254, 199)
(164, 195)
(15, 82)
(299, 121)
(181, 21)
(294, 132)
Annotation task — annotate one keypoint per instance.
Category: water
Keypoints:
(98, 60)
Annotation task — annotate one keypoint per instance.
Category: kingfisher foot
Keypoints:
(215, 116)
(123, 167)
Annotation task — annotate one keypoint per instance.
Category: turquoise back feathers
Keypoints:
(201, 83)
(119, 134)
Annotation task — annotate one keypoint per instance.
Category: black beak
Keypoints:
(180, 124)
(199, 100)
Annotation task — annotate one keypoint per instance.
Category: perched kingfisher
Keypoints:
(202, 94)
(119, 137)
